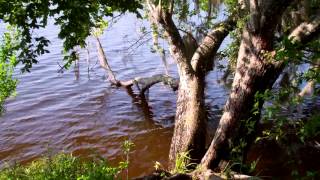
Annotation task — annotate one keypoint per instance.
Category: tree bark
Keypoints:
(254, 73)
(191, 119)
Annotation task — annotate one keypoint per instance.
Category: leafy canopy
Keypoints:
(8, 48)
(75, 19)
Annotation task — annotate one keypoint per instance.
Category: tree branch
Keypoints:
(143, 83)
(210, 45)
(263, 14)
(146, 83)
(177, 47)
(308, 89)
(104, 63)
(306, 31)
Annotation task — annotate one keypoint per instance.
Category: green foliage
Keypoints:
(293, 54)
(60, 167)
(75, 18)
(66, 166)
(182, 163)
(238, 149)
(288, 51)
(231, 52)
(231, 5)
(8, 61)
(310, 175)
(310, 128)
(127, 146)
(250, 168)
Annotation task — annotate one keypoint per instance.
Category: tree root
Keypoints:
(203, 175)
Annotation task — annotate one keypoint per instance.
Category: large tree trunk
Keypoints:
(191, 118)
(190, 121)
(254, 73)
(190, 114)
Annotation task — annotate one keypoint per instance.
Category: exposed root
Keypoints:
(203, 175)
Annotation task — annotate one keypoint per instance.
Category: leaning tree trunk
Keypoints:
(255, 72)
(253, 75)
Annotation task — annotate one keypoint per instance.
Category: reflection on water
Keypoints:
(78, 111)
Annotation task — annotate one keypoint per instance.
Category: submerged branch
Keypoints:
(143, 83)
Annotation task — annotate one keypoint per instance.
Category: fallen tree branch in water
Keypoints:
(142, 83)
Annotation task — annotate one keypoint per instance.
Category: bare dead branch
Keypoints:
(104, 63)
(143, 83)
(146, 83)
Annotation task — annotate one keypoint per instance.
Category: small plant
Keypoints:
(126, 148)
(182, 163)
(157, 165)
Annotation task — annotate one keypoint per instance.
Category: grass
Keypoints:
(63, 167)
(182, 163)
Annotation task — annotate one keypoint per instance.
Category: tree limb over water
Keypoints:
(142, 83)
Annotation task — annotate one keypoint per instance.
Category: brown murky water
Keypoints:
(78, 111)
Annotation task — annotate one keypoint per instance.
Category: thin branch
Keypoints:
(141, 38)
(177, 47)
(104, 63)
(188, 33)
(171, 6)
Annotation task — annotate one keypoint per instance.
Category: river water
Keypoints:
(78, 112)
